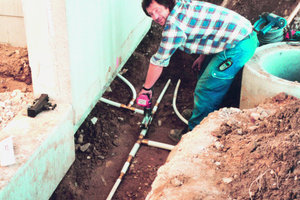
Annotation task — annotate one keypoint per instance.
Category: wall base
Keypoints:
(44, 149)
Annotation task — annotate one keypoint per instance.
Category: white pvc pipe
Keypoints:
(147, 121)
(174, 103)
(135, 148)
(114, 188)
(292, 15)
(125, 167)
(158, 144)
(161, 96)
(131, 87)
(119, 105)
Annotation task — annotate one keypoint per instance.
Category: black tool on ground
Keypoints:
(225, 64)
(39, 105)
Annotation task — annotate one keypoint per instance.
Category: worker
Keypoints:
(224, 40)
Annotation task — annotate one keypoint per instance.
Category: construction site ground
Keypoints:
(103, 146)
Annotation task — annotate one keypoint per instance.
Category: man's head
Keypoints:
(158, 10)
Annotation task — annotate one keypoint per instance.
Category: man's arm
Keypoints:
(198, 62)
(154, 72)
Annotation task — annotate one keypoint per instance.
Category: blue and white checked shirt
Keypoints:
(201, 28)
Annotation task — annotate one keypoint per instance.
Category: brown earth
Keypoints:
(111, 138)
(15, 72)
(265, 150)
(237, 154)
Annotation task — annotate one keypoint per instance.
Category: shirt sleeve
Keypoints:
(172, 38)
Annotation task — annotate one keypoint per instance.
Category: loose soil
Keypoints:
(236, 154)
(15, 72)
(110, 139)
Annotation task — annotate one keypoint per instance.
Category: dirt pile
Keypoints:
(15, 82)
(255, 154)
(14, 63)
(15, 72)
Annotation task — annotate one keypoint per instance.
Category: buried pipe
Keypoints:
(131, 87)
(157, 144)
(119, 105)
(174, 103)
(136, 146)
(147, 119)
(124, 169)
(293, 14)
(161, 96)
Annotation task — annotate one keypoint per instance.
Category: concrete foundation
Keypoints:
(273, 69)
(44, 151)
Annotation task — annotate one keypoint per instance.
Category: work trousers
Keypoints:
(214, 83)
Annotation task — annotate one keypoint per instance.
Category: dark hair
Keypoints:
(167, 3)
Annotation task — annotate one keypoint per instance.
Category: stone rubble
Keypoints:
(11, 103)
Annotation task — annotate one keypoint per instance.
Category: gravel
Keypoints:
(11, 103)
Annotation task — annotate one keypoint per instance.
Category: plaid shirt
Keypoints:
(201, 28)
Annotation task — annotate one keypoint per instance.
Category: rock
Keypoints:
(85, 147)
(254, 116)
(80, 139)
(94, 120)
(263, 115)
(101, 157)
(239, 131)
(121, 119)
(77, 146)
(253, 128)
(159, 122)
(219, 145)
(176, 182)
(109, 89)
(227, 180)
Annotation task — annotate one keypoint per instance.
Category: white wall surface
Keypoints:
(12, 29)
(77, 47)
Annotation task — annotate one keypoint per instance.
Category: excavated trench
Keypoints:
(117, 129)
(105, 138)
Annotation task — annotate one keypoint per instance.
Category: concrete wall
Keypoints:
(12, 29)
(75, 49)
(44, 151)
(102, 36)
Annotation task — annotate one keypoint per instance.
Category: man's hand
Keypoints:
(153, 74)
(149, 92)
(198, 62)
(144, 98)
